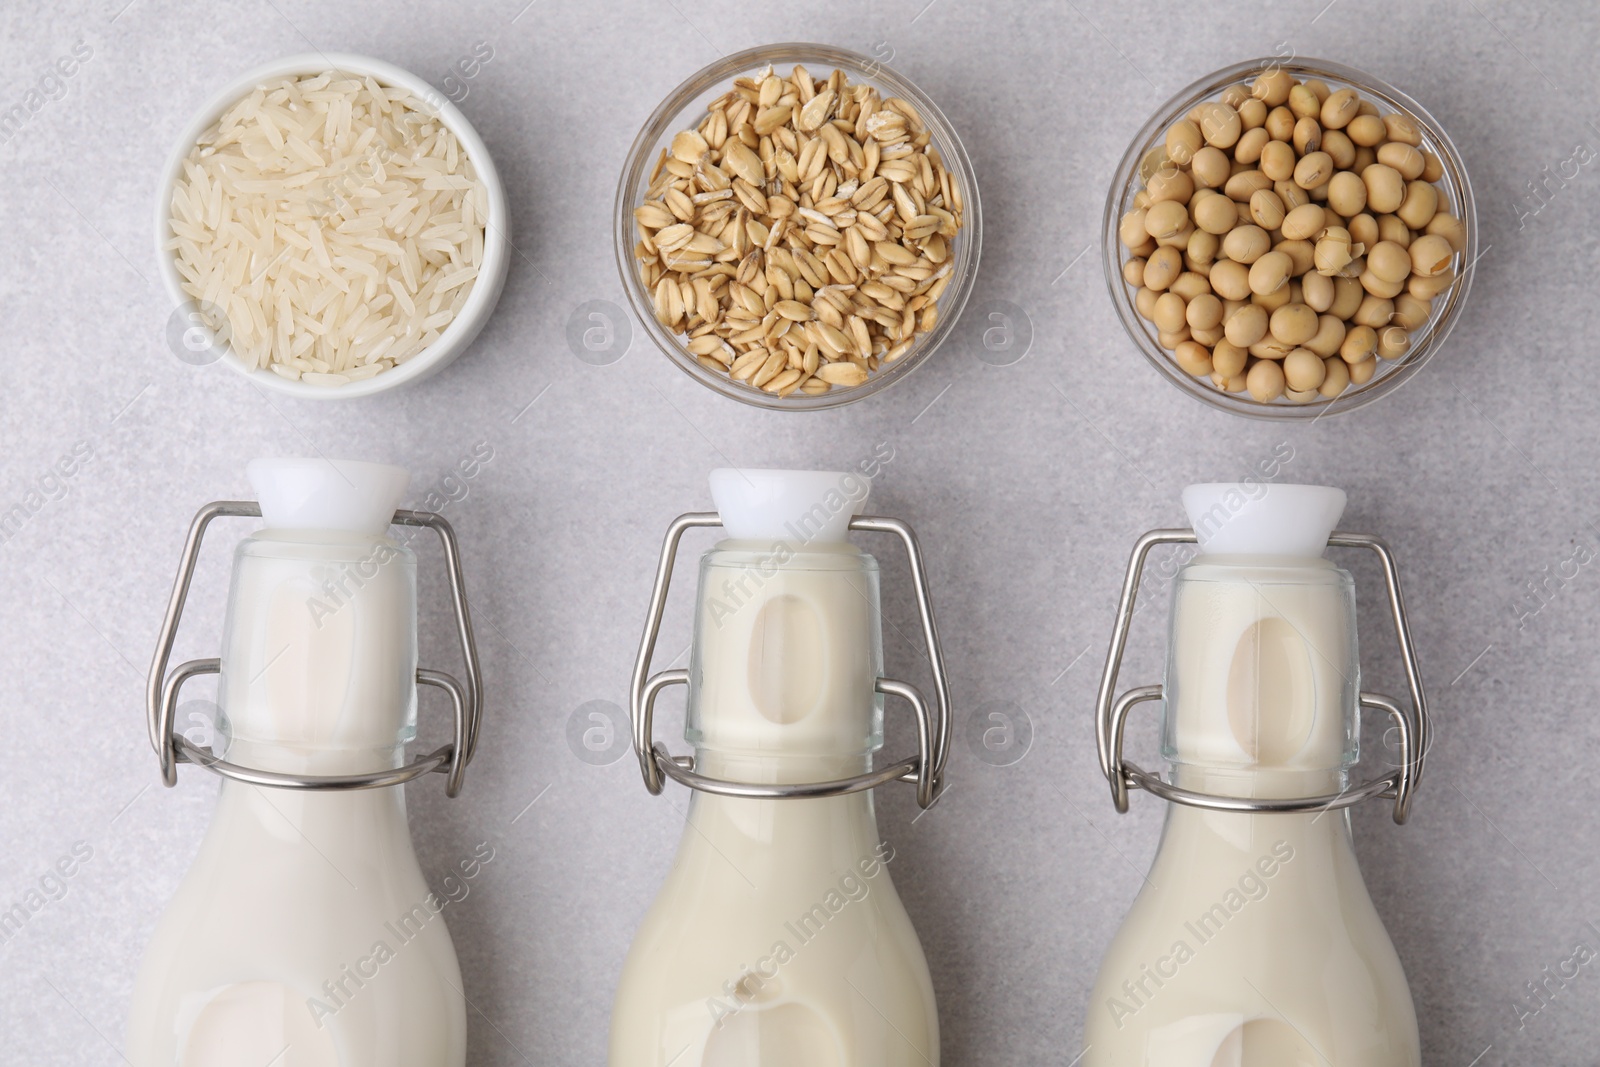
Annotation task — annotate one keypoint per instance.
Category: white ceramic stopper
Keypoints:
(327, 494)
(801, 506)
(1259, 519)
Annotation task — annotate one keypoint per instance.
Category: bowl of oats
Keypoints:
(797, 226)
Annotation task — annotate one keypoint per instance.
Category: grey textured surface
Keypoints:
(1027, 483)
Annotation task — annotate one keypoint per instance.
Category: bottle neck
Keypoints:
(787, 654)
(1262, 677)
(319, 653)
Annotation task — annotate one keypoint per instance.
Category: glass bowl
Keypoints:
(683, 109)
(1455, 195)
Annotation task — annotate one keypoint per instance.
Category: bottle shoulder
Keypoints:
(1245, 921)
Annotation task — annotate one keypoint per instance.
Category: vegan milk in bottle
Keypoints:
(1253, 942)
(304, 934)
(778, 939)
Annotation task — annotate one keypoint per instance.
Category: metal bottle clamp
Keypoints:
(933, 737)
(1111, 714)
(161, 696)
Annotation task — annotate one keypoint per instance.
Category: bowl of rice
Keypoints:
(331, 226)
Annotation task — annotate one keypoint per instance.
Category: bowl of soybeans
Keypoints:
(1289, 239)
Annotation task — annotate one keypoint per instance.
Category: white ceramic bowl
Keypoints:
(496, 239)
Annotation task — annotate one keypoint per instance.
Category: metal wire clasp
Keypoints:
(925, 770)
(161, 695)
(1111, 712)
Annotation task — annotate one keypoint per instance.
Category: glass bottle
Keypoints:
(778, 939)
(304, 934)
(1254, 941)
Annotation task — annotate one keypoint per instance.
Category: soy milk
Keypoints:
(1254, 942)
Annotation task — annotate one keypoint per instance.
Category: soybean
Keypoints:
(1340, 147)
(1316, 290)
(1303, 369)
(1399, 127)
(1162, 268)
(1315, 169)
(1420, 205)
(1169, 313)
(1389, 261)
(1170, 183)
(1359, 343)
(1366, 130)
(1270, 273)
(1229, 280)
(1339, 109)
(1246, 326)
(1294, 324)
(1246, 244)
(1190, 284)
(1374, 311)
(1242, 186)
(1450, 228)
(1280, 123)
(1303, 102)
(1430, 287)
(1411, 313)
(1210, 167)
(1347, 297)
(1272, 87)
(1216, 214)
(1193, 357)
(1329, 336)
(1334, 252)
(1337, 378)
(1204, 312)
(1265, 381)
(1277, 160)
(1363, 227)
(1307, 135)
(1202, 248)
(1430, 255)
(1183, 140)
(1385, 188)
(1165, 219)
(1304, 222)
(1229, 359)
(1251, 144)
(1220, 125)
(1403, 157)
(1393, 342)
(1266, 209)
(1392, 228)
(1347, 193)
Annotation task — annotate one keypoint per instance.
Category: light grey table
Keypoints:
(1027, 483)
